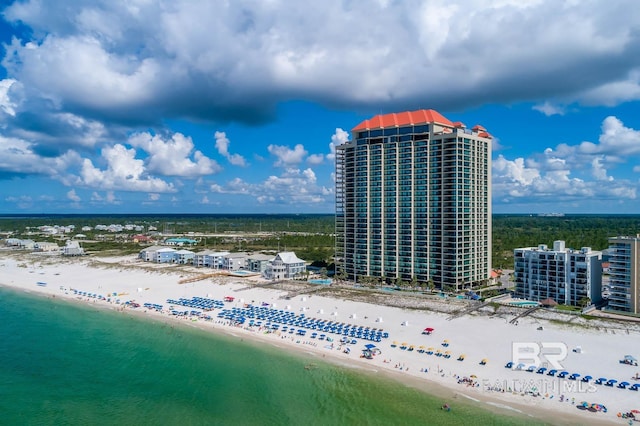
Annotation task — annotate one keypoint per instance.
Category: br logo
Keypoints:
(548, 354)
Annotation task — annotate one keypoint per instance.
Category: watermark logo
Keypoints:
(538, 354)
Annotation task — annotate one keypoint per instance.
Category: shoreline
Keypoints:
(467, 334)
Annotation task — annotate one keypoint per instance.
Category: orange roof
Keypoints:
(398, 119)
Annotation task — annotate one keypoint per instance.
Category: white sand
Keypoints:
(476, 336)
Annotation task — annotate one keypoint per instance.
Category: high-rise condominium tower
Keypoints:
(413, 201)
(624, 271)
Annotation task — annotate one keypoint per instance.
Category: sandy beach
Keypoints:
(593, 348)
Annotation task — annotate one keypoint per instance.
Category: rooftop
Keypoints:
(422, 116)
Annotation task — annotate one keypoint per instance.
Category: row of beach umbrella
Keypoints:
(575, 376)
(276, 318)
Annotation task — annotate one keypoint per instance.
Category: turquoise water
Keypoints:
(526, 304)
(67, 363)
(320, 281)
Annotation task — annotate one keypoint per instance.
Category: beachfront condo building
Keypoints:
(624, 274)
(413, 201)
(567, 276)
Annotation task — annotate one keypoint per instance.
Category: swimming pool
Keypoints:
(525, 304)
(319, 281)
(242, 272)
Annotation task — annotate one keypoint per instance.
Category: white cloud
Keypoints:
(287, 157)
(572, 172)
(222, 145)
(171, 157)
(154, 197)
(6, 104)
(238, 60)
(293, 187)
(315, 159)
(71, 195)
(338, 138)
(599, 172)
(549, 109)
(124, 172)
(18, 157)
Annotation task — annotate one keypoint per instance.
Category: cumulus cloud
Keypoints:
(222, 145)
(338, 138)
(123, 172)
(170, 157)
(286, 156)
(71, 195)
(237, 60)
(18, 158)
(292, 188)
(563, 172)
(548, 109)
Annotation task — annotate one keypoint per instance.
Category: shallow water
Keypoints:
(67, 363)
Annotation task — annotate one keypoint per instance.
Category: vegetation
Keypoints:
(311, 236)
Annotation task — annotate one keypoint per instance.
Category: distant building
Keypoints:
(180, 242)
(234, 261)
(209, 259)
(72, 248)
(13, 242)
(624, 274)
(567, 276)
(165, 255)
(258, 262)
(285, 265)
(45, 246)
(141, 239)
(148, 254)
(183, 257)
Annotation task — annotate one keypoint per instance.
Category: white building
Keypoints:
(45, 246)
(285, 265)
(564, 275)
(234, 261)
(209, 259)
(183, 257)
(149, 254)
(624, 270)
(72, 248)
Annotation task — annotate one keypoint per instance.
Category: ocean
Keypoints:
(67, 363)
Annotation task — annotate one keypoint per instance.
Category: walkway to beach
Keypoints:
(467, 311)
(524, 314)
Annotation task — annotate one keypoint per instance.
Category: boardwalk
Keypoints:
(466, 311)
(524, 314)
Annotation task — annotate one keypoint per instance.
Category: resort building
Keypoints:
(180, 242)
(148, 254)
(258, 262)
(234, 261)
(209, 259)
(624, 274)
(570, 277)
(285, 265)
(413, 201)
(165, 255)
(183, 257)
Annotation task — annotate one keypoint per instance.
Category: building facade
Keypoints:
(285, 265)
(570, 277)
(624, 274)
(413, 201)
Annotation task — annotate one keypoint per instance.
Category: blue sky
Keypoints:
(187, 106)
